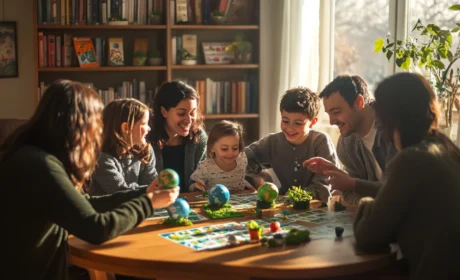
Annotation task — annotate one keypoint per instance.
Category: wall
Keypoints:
(18, 95)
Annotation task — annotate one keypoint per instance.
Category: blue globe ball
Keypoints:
(218, 195)
(179, 209)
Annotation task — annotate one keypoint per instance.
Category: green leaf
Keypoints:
(456, 29)
(378, 45)
(389, 54)
(399, 61)
(438, 64)
(406, 63)
(455, 7)
(450, 56)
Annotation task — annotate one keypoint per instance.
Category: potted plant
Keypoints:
(241, 48)
(427, 54)
(299, 197)
(187, 58)
(155, 17)
(218, 17)
(117, 20)
(139, 58)
(154, 57)
(255, 231)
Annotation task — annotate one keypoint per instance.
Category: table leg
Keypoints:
(100, 275)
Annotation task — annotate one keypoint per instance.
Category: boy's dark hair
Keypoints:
(300, 100)
(349, 88)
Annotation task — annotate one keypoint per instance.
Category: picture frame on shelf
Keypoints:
(8, 50)
(214, 53)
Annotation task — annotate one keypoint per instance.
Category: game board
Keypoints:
(216, 236)
(163, 214)
(243, 201)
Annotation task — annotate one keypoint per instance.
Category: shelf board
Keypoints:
(216, 66)
(229, 27)
(104, 68)
(102, 26)
(230, 116)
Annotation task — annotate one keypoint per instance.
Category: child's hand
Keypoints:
(198, 185)
(319, 165)
(250, 188)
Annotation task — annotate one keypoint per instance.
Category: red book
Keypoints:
(51, 50)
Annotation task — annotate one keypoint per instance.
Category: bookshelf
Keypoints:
(160, 37)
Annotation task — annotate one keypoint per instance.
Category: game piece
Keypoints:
(299, 197)
(338, 206)
(339, 231)
(323, 204)
(286, 212)
(218, 195)
(275, 227)
(215, 211)
(179, 209)
(268, 192)
(259, 213)
(295, 236)
(168, 179)
(279, 239)
(232, 240)
(255, 231)
(272, 243)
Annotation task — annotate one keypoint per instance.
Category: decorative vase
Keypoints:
(139, 61)
(218, 19)
(254, 235)
(301, 205)
(155, 61)
(243, 58)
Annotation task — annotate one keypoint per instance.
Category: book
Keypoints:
(85, 52)
(116, 55)
(189, 44)
(140, 51)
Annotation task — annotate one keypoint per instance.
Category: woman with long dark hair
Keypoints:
(177, 133)
(419, 204)
(44, 166)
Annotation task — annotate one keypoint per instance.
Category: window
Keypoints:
(357, 24)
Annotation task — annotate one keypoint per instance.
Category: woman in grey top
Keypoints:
(127, 161)
(177, 135)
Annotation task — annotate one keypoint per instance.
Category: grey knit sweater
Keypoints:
(128, 173)
(286, 160)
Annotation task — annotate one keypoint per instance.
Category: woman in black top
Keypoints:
(177, 133)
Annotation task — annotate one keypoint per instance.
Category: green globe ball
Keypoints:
(168, 179)
(268, 192)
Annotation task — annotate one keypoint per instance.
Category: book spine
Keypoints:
(41, 50)
(58, 51)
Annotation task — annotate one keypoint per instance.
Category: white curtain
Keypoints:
(299, 58)
(296, 50)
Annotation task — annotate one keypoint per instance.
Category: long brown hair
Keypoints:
(168, 96)
(67, 124)
(221, 129)
(127, 110)
(407, 103)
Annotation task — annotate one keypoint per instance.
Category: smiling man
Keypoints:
(362, 148)
(286, 150)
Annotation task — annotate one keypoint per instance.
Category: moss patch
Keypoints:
(221, 212)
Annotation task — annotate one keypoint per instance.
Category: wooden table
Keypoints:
(143, 253)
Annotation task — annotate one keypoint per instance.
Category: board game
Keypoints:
(243, 201)
(163, 214)
(216, 236)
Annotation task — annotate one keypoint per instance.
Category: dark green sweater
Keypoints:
(419, 208)
(44, 207)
